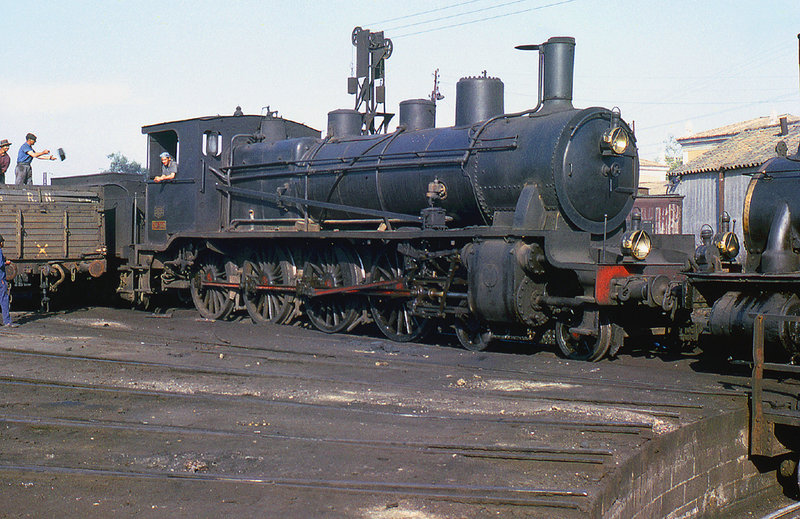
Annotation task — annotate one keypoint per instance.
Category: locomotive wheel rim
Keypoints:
(473, 335)
(331, 314)
(583, 347)
(267, 268)
(211, 303)
(393, 316)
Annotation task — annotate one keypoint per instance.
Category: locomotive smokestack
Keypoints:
(559, 61)
(556, 63)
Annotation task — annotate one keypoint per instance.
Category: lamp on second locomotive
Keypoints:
(726, 241)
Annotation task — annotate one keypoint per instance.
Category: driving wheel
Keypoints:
(392, 314)
(473, 334)
(211, 302)
(272, 267)
(326, 268)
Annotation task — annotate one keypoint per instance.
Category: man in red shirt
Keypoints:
(5, 160)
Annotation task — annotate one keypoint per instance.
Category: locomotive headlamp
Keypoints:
(636, 244)
(615, 139)
(728, 245)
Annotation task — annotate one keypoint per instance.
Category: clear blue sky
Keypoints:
(86, 76)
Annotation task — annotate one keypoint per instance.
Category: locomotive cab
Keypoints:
(201, 147)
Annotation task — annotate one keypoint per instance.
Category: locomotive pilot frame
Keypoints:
(504, 226)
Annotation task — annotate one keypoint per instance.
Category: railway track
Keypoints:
(264, 355)
(788, 512)
(646, 406)
(322, 424)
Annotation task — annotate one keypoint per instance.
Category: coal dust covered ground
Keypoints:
(109, 412)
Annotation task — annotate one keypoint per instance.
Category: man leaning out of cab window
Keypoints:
(169, 168)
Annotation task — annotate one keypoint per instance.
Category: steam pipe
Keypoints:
(556, 64)
(779, 231)
(778, 255)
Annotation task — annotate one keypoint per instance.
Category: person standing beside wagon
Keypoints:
(4, 289)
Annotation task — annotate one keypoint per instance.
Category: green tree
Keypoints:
(121, 164)
(673, 154)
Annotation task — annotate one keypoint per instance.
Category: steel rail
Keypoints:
(243, 372)
(536, 374)
(786, 511)
(530, 374)
(469, 450)
(609, 426)
(471, 494)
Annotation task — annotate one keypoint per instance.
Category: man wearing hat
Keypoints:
(24, 172)
(4, 288)
(169, 168)
(5, 159)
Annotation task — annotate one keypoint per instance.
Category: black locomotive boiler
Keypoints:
(504, 225)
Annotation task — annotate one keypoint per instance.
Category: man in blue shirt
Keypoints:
(23, 171)
(4, 288)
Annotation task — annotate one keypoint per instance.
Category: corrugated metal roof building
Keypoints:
(716, 181)
(698, 143)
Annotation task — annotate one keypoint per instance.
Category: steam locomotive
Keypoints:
(503, 226)
(768, 283)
